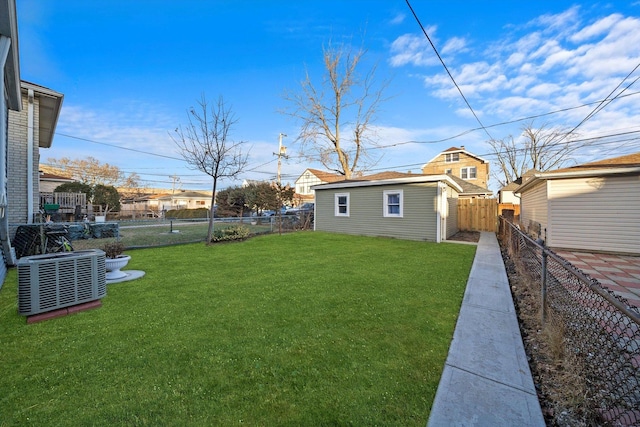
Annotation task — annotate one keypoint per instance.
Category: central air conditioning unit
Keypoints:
(52, 281)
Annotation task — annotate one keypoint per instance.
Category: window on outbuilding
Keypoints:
(342, 204)
(392, 203)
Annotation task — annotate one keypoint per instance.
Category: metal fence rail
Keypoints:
(33, 239)
(601, 328)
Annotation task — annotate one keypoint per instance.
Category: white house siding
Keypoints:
(508, 197)
(303, 184)
(533, 207)
(598, 214)
(366, 212)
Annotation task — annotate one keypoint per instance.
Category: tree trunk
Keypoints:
(212, 211)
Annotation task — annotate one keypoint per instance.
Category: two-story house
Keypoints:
(309, 178)
(461, 164)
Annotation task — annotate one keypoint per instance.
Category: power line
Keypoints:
(117, 146)
(536, 116)
(447, 70)
(601, 105)
(617, 142)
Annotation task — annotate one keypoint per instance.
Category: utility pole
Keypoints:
(282, 152)
(175, 179)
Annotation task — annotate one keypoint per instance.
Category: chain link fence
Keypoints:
(601, 329)
(39, 238)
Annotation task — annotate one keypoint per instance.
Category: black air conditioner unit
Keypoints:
(52, 281)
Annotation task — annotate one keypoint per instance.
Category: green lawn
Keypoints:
(305, 328)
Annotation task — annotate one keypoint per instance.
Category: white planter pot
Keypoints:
(101, 218)
(114, 265)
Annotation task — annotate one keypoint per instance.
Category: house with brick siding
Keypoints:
(460, 163)
(11, 102)
(30, 129)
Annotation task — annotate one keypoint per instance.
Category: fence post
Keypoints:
(544, 286)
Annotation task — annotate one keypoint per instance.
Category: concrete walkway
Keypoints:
(486, 379)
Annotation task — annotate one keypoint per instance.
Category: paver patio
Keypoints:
(619, 273)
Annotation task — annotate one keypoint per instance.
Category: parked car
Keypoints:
(302, 209)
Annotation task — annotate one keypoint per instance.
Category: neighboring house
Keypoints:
(590, 207)
(30, 129)
(184, 200)
(147, 205)
(49, 182)
(506, 193)
(390, 204)
(462, 164)
(470, 190)
(10, 89)
(309, 178)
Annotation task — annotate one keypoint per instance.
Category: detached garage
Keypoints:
(591, 207)
(412, 207)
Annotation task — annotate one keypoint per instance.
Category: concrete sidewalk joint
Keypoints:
(486, 379)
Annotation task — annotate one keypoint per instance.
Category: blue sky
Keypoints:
(129, 71)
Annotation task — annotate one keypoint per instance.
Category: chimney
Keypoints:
(462, 147)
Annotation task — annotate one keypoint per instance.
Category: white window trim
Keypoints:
(468, 169)
(448, 156)
(385, 203)
(337, 206)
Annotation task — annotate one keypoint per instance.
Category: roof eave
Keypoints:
(9, 28)
(50, 106)
(408, 180)
(576, 174)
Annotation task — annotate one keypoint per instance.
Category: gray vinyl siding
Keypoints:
(366, 212)
(533, 206)
(597, 213)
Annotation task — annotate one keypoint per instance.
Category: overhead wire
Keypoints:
(424, 31)
(608, 101)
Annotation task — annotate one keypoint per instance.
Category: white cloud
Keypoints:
(412, 49)
(559, 62)
(560, 22)
(454, 45)
(602, 26)
(134, 126)
(398, 19)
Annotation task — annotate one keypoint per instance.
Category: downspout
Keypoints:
(30, 146)
(5, 242)
(439, 214)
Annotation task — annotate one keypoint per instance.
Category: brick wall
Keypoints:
(439, 165)
(17, 162)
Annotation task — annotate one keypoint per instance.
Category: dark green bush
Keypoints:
(235, 232)
(187, 213)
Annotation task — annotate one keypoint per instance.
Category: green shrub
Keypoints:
(187, 213)
(235, 232)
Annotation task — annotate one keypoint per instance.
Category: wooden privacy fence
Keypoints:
(478, 215)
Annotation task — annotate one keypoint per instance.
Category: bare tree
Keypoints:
(542, 148)
(337, 115)
(88, 171)
(205, 145)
